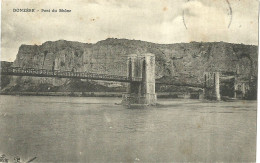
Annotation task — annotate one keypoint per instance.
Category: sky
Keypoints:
(158, 21)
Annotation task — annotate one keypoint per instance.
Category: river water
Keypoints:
(88, 129)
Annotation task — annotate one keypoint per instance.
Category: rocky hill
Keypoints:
(180, 62)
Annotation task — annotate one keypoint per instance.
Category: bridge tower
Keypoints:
(141, 73)
(211, 86)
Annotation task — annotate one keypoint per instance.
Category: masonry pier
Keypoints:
(211, 86)
(140, 91)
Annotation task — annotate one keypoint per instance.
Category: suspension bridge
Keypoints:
(109, 69)
(136, 70)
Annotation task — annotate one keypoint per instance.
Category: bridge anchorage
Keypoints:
(140, 92)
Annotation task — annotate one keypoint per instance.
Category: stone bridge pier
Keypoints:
(141, 72)
(211, 86)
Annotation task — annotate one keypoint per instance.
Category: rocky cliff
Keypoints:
(180, 62)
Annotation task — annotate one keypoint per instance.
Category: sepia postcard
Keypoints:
(128, 81)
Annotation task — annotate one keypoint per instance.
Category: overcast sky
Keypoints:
(159, 21)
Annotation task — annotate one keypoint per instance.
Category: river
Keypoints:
(90, 129)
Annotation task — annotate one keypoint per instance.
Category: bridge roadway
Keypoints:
(18, 71)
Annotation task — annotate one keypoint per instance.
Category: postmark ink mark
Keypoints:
(184, 20)
(230, 13)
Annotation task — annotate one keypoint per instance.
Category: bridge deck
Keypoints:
(18, 71)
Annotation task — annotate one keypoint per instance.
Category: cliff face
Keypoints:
(183, 62)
